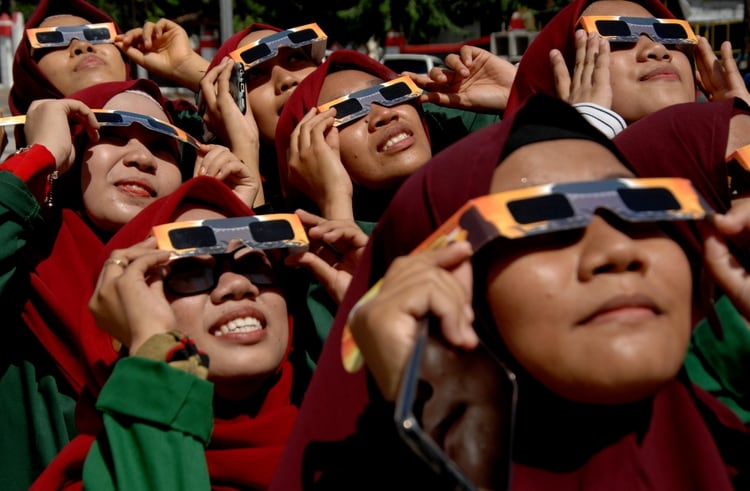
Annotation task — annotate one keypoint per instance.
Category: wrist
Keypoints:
(177, 350)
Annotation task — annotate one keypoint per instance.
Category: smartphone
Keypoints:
(236, 90)
(456, 410)
(237, 86)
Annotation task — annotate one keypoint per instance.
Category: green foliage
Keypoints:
(345, 21)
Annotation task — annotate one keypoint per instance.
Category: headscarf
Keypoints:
(557, 446)
(305, 97)
(29, 83)
(534, 74)
(58, 279)
(244, 449)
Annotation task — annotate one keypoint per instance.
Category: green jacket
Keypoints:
(157, 424)
(36, 405)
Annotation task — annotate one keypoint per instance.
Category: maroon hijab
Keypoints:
(29, 83)
(560, 445)
(244, 449)
(534, 73)
(58, 280)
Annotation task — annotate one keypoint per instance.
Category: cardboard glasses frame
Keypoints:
(623, 29)
(216, 236)
(268, 47)
(61, 36)
(107, 118)
(358, 104)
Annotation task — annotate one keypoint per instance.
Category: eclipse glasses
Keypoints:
(107, 118)
(217, 236)
(622, 29)
(358, 104)
(268, 47)
(60, 36)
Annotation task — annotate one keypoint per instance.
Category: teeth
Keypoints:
(245, 324)
(395, 139)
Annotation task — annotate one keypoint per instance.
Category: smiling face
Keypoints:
(242, 326)
(129, 167)
(647, 76)
(80, 64)
(270, 84)
(600, 315)
(385, 146)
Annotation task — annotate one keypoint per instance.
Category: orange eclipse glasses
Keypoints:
(308, 35)
(61, 36)
(217, 236)
(358, 104)
(622, 29)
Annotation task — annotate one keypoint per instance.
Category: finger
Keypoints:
(560, 72)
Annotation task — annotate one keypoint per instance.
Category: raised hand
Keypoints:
(719, 80)
(129, 301)
(163, 48)
(590, 80)
(475, 79)
(335, 249)
(315, 167)
(219, 162)
(48, 122)
(436, 282)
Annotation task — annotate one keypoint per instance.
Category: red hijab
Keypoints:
(245, 449)
(29, 83)
(58, 280)
(560, 445)
(534, 73)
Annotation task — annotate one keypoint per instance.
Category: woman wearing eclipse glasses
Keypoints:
(203, 308)
(645, 65)
(87, 173)
(591, 310)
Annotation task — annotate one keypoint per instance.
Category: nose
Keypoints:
(138, 155)
(607, 248)
(648, 49)
(233, 286)
(381, 116)
(78, 47)
(283, 79)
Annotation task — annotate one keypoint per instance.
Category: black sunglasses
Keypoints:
(193, 275)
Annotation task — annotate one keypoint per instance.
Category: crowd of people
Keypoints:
(322, 274)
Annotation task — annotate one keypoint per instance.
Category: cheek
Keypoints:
(188, 313)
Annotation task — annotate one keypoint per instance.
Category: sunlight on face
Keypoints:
(597, 315)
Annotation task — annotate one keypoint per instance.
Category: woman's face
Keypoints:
(600, 315)
(647, 76)
(80, 64)
(129, 167)
(270, 84)
(385, 146)
(243, 327)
